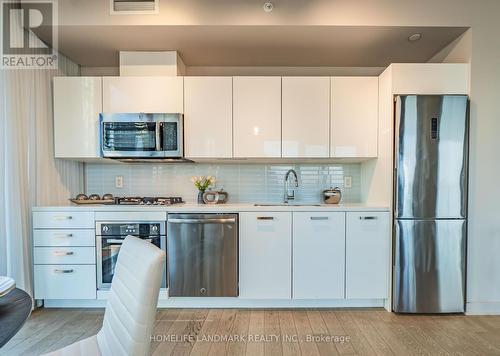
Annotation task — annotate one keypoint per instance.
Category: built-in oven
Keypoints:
(110, 236)
(141, 135)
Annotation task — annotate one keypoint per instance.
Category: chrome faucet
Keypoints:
(289, 194)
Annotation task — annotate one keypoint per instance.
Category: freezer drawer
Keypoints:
(429, 266)
(202, 255)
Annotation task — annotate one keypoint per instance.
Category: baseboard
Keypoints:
(268, 303)
(482, 308)
(229, 303)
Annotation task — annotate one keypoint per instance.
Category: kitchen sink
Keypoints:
(287, 204)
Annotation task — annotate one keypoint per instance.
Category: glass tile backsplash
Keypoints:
(244, 182)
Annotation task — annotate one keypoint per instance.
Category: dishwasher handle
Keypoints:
(202, 221)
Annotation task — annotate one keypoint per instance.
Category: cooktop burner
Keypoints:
(148, 200)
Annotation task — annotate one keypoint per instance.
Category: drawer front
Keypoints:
(65, 282)
(63, 219)
(63, 238)
(64, 255)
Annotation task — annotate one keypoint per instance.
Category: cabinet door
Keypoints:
(77, 104)
(257, 116)
(306, 115)
(318, 255)
(143, 94)
(354, 117)
(367, 255)
(265, 255)
(208, 117)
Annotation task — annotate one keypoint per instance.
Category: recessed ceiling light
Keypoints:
(415, 37)
(268, 6)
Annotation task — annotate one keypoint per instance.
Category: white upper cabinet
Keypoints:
(77, 104)
(306, 115)
(208, 117)
(430, 78)
(318, 255)
(368, 255)
(354, 117)
(143, 94)
(257, 117)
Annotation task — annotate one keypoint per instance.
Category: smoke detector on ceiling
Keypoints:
(134, 7)
(268, 6)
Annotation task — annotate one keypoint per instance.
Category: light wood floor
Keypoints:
(263, 332)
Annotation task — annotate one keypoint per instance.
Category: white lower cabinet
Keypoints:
(64, 255)
(65, 281)
(367, 255)
(265, 255)
(318, 255)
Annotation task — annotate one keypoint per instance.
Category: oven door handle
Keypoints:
(115, 241)
(121, 241)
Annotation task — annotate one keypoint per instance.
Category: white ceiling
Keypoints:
(98, 46)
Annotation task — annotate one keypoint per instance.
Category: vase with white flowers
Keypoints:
(202, 183)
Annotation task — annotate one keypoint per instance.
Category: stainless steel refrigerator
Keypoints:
(430, 210)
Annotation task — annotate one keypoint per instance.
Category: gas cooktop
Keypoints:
(148, 200)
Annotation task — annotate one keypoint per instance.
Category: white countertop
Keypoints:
(229, 207)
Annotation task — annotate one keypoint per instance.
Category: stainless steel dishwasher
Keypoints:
(202, 255)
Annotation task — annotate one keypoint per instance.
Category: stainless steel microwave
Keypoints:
(141, 135)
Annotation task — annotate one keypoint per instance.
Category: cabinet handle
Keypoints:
(59, 218)
(319, 217)
(63, 235)
(367, 218)
(265, 217)
(63, 253)
(63, 270)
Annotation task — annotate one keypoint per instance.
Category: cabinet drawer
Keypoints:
(65, 282)
(64, 238)
(63, 219)
(64, 255)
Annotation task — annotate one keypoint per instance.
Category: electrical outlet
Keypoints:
(119, 182)
(348, 182)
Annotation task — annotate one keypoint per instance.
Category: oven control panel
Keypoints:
(134, 229)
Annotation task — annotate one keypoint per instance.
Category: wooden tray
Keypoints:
(92, 202)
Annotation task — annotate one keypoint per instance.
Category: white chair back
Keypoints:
(131, 307)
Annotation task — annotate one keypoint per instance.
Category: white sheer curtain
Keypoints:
(29, 174)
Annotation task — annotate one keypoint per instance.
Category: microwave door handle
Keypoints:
(158, 131)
